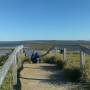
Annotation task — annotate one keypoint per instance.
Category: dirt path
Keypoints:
(41, 77)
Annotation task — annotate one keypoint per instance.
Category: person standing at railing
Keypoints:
(35, 57)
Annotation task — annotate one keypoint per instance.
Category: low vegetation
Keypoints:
(71, 67)
(8, 82)
(3, 59)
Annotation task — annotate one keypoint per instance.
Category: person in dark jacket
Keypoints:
(35, 57)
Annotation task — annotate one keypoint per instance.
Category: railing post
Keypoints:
(19, 57)
(82, 61)
(14, 72)
(64, 54)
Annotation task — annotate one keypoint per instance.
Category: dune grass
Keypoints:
(71, 66)
(8, 82)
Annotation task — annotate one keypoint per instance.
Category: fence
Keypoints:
(10, 69)
(14, 62)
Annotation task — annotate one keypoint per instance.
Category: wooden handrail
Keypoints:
(11, 61)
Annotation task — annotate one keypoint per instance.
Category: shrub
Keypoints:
(3, 59)
(50, 60)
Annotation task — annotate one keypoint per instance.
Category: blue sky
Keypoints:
(44, 20)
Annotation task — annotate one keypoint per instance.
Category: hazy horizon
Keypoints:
(43, 40)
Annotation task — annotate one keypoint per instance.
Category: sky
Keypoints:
(44, 20)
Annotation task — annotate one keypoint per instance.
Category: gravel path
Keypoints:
(41, 77)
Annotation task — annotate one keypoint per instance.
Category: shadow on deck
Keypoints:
(54, 76)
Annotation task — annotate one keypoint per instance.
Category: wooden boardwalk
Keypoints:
(41, 77)
(38, 76)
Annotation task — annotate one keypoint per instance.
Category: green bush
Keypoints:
(27, 60)
(50, 60)
(3, 59)
(8, 82)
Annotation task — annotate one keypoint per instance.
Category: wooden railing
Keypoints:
(11, 62)
(83, 51)
(82, 48)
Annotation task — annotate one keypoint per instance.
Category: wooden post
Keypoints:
(14, 72)
(18, 60)
(21, 52)
(21, 55)
(82, 60)
(64, 54)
